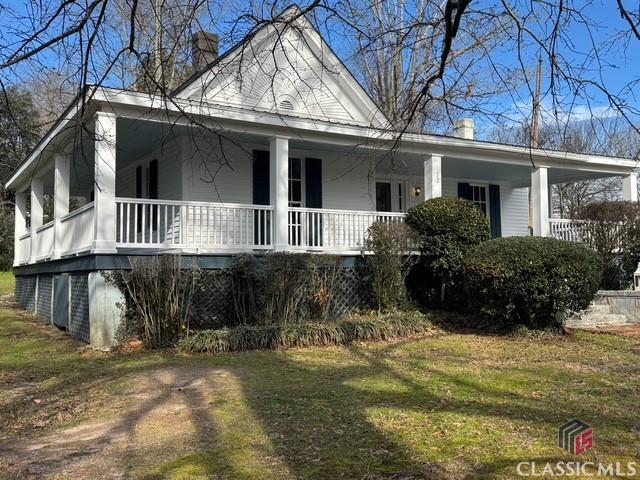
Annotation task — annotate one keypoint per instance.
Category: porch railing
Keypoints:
(200, 225)
(43, 241)
(210, 227)
(77, 231)
(567, 229)
(23, 249)
(333, 230)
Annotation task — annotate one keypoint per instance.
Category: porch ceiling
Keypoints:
(485, 171)
(137, 138)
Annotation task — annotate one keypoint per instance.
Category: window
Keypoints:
(295, 182)
(479, 197)
(400, 198)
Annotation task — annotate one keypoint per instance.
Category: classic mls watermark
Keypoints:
(576, 437)
(577, 469)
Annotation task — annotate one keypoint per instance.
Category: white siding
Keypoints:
(514, 203)
(212, 173)
(515, 211)
(169, 173)
(345, 183)
(345, 179)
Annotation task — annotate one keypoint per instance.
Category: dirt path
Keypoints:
(165, 417)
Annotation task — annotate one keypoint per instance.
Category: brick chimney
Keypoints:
(204, 49)
(463, 129)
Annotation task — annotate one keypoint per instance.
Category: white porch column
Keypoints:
(540, 201)
(20, 227)
(105, 183)
(432, 177)
(37, 204)
(61, 200)
(630, 187)
(279, 190)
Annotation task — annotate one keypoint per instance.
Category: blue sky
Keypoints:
(619, 69)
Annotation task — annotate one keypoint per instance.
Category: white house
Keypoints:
(273, 146)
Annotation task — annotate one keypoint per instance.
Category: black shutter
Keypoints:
(313, 186)
(313, 182)
(261, 193)
(261, 196)
(464, 191)
(139, 182)
(153, 179)
(494, 211)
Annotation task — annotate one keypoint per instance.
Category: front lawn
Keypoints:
(6, 283)
(447, 407)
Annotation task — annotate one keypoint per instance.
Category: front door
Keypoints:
(390, 196)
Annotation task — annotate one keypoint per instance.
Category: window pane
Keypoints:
(295, 170)
(295, 191)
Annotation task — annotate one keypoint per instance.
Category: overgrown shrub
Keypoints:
(613, 230)
(447, 228)
(391, 245)
(367, 328)
(530, 281)
(284, 288)
(158, 294)
(354, 329)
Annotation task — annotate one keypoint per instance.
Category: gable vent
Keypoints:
(286, 105)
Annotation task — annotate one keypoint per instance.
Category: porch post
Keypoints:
(432, 177)
(104, 206)
(540, 201)
(20, 227)
(37, 203)
(279, 175)
(630, 187)
(61, 200)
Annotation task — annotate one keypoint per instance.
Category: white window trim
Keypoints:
(488, 201)
(394, 191)
(303, 183)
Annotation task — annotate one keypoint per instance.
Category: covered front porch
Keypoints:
(136, 186)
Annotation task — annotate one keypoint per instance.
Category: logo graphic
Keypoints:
(575, 436)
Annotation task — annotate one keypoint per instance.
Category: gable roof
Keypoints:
(285, 67)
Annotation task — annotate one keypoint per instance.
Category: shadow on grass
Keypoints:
(313, 413)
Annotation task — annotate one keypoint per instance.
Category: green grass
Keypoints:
(445, 407)
(6, 283)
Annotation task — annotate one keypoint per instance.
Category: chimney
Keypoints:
(204, 49)
(463, 129)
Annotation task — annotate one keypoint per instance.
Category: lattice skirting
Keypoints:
(212, 304)
(32, 290)
(43, 302)
(79, 307)
(25, 291)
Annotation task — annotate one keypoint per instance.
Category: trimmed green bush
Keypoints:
(530, 281)
(354, 329)
(447, 228)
